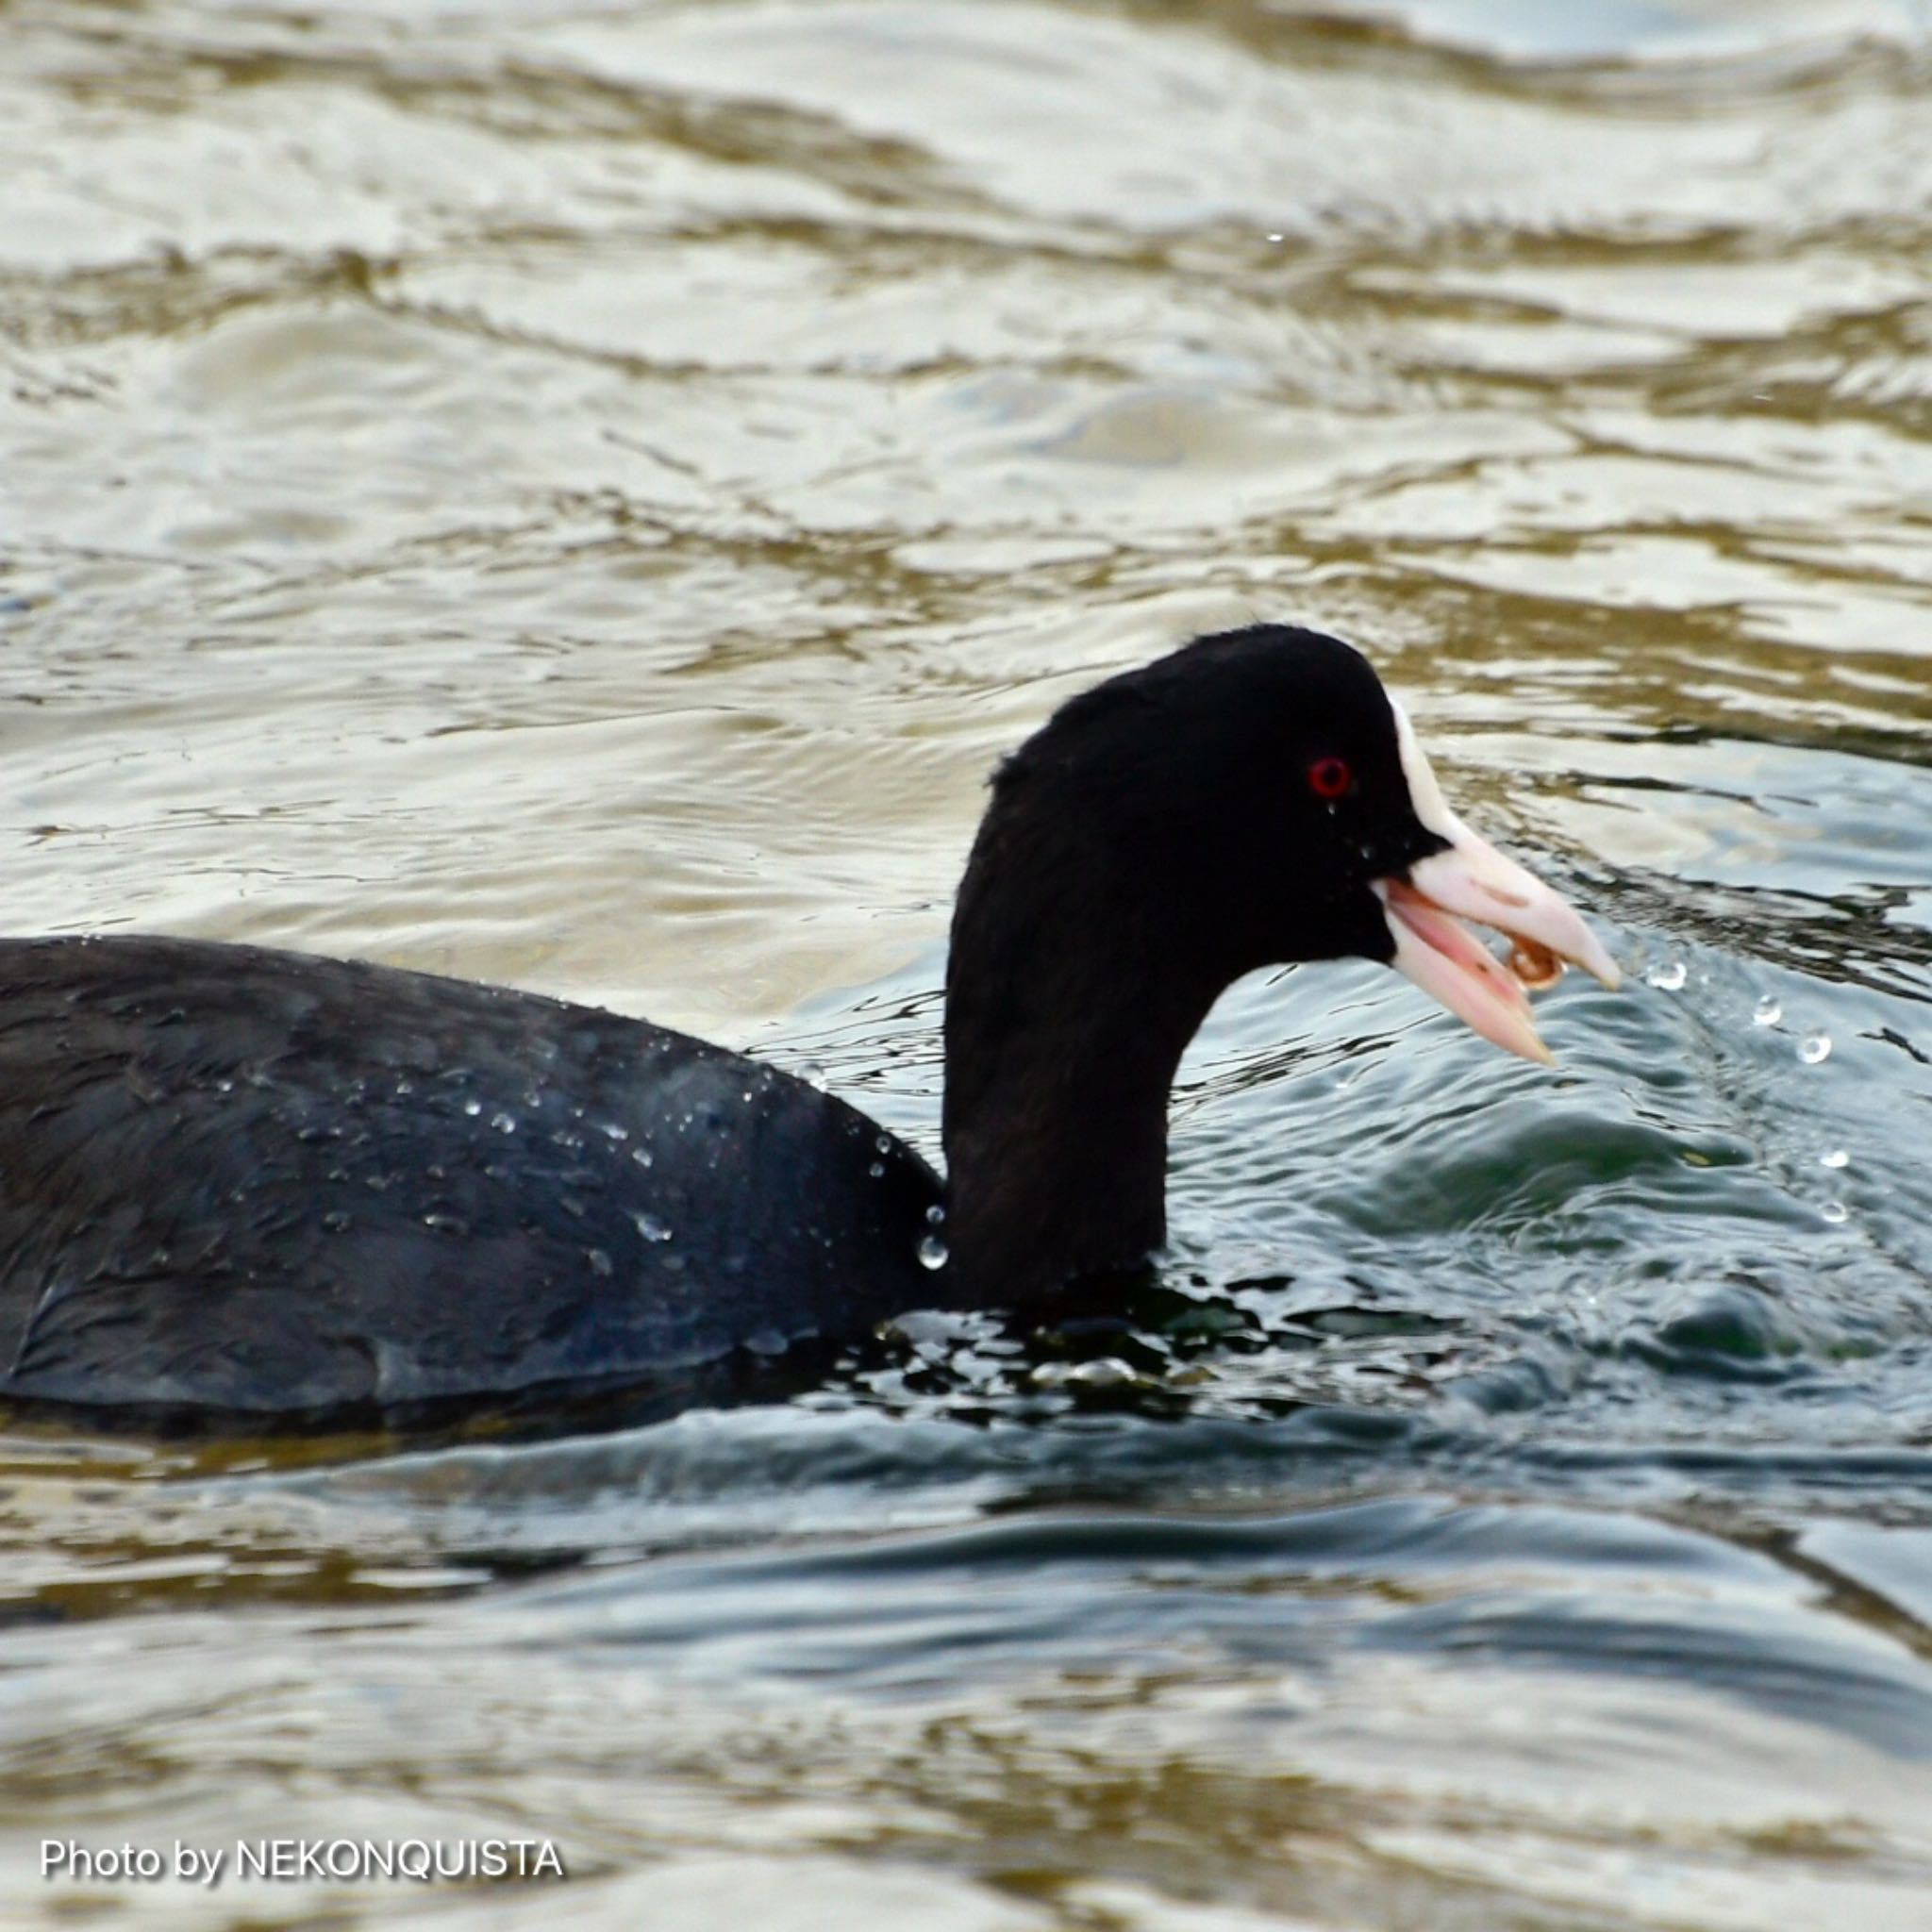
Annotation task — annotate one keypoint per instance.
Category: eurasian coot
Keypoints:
(243, 1183)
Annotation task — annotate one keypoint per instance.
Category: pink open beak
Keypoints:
(1472, 880)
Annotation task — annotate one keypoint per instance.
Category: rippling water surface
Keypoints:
(579, 495)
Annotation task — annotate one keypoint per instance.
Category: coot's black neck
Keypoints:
(1070, 998)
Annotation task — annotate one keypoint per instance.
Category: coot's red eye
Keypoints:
(1330, 777)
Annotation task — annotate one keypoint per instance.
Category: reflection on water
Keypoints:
(582, 494)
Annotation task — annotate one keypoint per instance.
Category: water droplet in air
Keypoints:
(883, 1143)
(504, 1123)
(877, 1170)
(932, 1252)
(934, 1215)
(651, 1227)
(1768, 1011)
(1835, 1157)
(1669, 977)
(1835, 1213)
(335, 1221)
(611, 1131)
(599, 1260)
(1814, 1047)
(641, 1156)
(472, 1107)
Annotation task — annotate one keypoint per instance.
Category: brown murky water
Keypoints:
(580, 495)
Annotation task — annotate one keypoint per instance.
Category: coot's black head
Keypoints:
(1252, 799)
(1252, 785)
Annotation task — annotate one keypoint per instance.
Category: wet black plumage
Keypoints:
(240, 1180)
(251, 1180)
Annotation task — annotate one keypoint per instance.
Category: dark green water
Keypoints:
(580, 495)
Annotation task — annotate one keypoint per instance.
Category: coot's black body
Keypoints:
(235, 1182)
(269, 1183)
